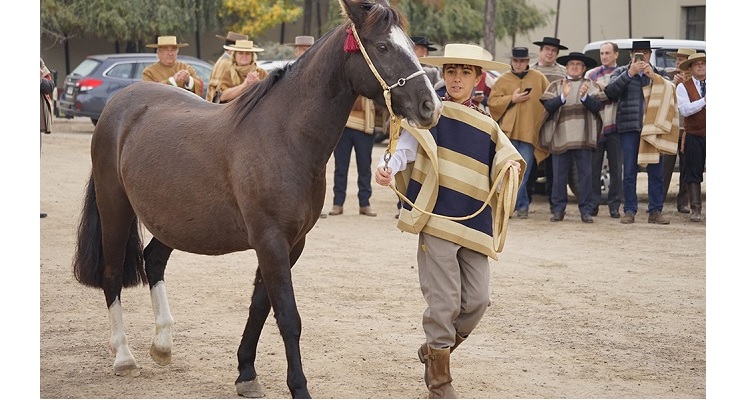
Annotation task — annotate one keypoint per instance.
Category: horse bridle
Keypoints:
(395, 121)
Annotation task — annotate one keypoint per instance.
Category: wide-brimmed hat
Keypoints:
(465, 54)
(302, 41)
(243, 45)
(232, 37)
(521, 53)
(163, 41)
(691, 59)
(642, 45)
(551, 42)
(422, 41)
(681, 52)
(588, 61)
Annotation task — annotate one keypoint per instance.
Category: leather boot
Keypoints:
(422, 354)
(696, 202)
(439, 374)
(682, 199)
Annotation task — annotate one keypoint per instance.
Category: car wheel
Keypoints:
(94, 120)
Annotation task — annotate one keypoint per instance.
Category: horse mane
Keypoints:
(377, 13)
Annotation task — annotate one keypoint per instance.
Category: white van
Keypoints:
(659, 55)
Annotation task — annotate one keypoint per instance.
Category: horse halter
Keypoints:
(395, 121)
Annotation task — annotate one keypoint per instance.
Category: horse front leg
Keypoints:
(274, 284)
(156, 256)
(247, 383)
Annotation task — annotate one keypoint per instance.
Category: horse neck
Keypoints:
(323, 93)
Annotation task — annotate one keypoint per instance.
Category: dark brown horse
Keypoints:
(215, 179)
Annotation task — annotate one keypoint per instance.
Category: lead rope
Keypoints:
(509, 197)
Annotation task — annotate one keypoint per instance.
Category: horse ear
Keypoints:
(356, 10)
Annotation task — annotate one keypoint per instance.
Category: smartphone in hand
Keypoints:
(527, 90)
(638, 56)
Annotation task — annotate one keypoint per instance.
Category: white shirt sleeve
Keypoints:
(406, 152)
(686, 107)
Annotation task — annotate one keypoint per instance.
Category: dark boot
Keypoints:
(696, 206)
(439, 374)
(422, 354)
(682, 198)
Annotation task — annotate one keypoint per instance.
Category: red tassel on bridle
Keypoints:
(350, 45)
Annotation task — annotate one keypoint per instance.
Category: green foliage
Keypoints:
(252, 17)
(463, 20)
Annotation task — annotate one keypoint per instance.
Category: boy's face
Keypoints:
(460, 81)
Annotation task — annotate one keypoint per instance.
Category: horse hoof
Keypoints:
(162, 357)
(127, 369)
(250, 389)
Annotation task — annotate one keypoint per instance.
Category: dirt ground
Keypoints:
(600, 310)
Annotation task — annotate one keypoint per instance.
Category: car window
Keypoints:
(121, 70)
(139, 69)
(86, 67)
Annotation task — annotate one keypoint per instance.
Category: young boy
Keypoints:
(450, 170)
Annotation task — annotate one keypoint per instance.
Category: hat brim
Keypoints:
(253, 50)
(685, 65)
(156, 46)
(429, 48)
(559, 46)
(588, 61)
(439, 61)
(530, 56)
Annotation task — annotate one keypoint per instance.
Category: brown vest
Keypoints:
(696, 123)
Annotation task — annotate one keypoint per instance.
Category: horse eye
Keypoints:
(382, 47)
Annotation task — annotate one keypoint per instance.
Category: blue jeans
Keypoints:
(629, 142)
(527, 153)
(610, 145)
(362, 144)
(561, 163)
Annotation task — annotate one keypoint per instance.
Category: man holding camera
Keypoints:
(641, 90)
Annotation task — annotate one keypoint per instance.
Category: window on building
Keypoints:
(696, 23)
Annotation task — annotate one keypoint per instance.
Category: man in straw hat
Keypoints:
(691, 100)
(678, 76)
(301, 44)
(170, 71)
(222, 63)
(570, 132)
(648, 124)
(514, 103)
(449, 170)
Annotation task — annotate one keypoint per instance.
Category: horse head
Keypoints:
(378, 45)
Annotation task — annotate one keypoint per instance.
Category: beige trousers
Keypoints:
(455, 283)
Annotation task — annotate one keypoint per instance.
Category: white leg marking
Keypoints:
(118, 343)
(161, 345)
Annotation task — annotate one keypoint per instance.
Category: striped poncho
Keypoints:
(661, 121)
(458, 165)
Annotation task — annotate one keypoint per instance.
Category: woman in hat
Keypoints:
(170, 71)
(242, 73)
(452, 168)
(221, 64)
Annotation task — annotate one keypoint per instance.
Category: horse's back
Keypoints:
(160, 148)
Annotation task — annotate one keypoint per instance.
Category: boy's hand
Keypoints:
(383, 176)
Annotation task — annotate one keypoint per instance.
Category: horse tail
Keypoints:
(88, 261)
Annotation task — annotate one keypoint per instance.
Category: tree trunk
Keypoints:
(489, 26)
(307, 17)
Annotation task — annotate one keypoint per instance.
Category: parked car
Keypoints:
(659, 56)
(271, 65)
(97, 78)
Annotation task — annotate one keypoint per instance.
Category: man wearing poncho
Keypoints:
(451, 170)
(570, 132)
(170, 71)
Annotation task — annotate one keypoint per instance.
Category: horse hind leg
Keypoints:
(129, 272)
(156, 255)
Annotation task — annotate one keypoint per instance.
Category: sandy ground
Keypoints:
(599, 310)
